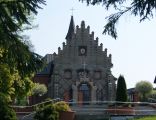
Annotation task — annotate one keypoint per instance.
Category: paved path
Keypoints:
(145, 110)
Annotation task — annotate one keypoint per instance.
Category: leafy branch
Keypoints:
(142, 8)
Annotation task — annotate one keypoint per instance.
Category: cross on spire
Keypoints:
(72, 10)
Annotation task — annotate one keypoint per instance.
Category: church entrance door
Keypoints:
(85, 93)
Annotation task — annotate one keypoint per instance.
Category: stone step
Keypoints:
(89, 110)
(91, 117)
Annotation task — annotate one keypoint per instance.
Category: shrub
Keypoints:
(39, 89)
(62, 106)
(46, 112)
(50, 111)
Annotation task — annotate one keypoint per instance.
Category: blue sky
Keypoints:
(133, 53)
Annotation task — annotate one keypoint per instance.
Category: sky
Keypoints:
(133, 53)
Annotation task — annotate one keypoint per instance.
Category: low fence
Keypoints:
(112, 109)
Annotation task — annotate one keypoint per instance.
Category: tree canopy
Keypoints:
(14, 50)
(144, 9)
(17, 61)
(144, 88)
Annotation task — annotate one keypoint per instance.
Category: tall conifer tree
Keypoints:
(121, 93)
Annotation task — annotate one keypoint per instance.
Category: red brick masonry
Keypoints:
(121, 111)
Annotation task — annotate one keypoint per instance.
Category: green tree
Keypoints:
(152, 96)
(14, 15)
(144, 89)
(121, 93)
(6, 82)
(17, 61)
(144, 9)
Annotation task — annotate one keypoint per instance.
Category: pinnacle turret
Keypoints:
(71, 29)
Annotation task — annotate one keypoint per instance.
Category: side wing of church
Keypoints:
(82, 69)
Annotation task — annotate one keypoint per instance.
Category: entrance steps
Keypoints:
(91, 117)
(90, 112)
(89, 109)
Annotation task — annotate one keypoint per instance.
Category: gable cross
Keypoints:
(72, 10)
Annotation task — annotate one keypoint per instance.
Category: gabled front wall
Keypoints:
(82, 62)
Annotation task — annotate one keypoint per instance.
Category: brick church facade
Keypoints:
(81, 70)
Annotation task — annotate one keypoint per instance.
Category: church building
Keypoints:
(81, 69)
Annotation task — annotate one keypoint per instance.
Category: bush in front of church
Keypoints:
(46, 112)
(61, 106)
(50, 110)
(121, 93)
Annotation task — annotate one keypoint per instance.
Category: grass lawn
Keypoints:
(147, 118)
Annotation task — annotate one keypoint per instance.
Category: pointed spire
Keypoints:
(71, 29)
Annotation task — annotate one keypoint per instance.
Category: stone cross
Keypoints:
(84, 66)
(72, 10)
(85, 74)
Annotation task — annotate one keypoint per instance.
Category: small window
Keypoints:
(67, 74)
(97, 75)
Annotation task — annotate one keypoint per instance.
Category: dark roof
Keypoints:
(71, 29)
(48, 69)
(131, 90)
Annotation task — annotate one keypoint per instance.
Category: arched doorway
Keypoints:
(84, 93)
